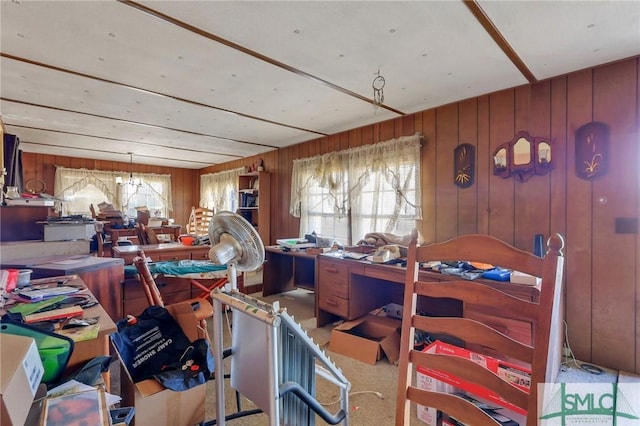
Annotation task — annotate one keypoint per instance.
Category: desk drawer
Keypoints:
(335, 305)
(333, 279)
(133, 289)
(200, 255)
(164, 257)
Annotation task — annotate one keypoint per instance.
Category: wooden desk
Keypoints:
(86, 350)
(103, 276)
(162, 252)
(123, 233)
(286, 270)
(348, 289)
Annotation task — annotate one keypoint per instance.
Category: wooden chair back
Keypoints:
(103, 246)
(154, 297)
(544, 355)
(151, 290)
(199, 220)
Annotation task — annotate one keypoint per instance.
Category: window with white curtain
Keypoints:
(151, 192)
(346, 194)
(81, 187)
(219, 191)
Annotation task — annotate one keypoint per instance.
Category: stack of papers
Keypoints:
(295, 243)
(47, 292)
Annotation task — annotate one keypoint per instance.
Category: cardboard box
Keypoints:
(518, 375)
(430, 415)
(154, 404)
(367, 338)
(20, 373)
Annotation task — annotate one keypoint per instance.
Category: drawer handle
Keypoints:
(332, 302)
(332, 270)
(162, 284)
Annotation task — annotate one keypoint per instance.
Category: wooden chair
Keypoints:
(199, 220)
(202, 307)
(544, 355)
(104, 244)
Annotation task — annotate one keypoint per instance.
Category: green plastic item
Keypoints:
(31, 308)
(55, 350)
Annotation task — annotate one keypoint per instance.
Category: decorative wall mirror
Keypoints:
(523, 157)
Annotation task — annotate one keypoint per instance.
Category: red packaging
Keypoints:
(517, 375)
(12, 280)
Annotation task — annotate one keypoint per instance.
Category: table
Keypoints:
(103, 276)
(286, 270)
(88, 349)
(162, 252)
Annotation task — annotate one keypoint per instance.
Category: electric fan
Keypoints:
(235, 243)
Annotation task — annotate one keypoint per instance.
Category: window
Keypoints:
(219, 191)
(79, 202)
(345, 195)
(79, 188)
(152, 193)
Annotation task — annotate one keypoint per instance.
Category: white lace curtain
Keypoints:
(218, 191)
(376, 184)
(155, 188)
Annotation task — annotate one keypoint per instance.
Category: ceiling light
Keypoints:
(132, 181)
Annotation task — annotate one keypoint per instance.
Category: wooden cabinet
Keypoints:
(348, 289)
(165, 252)
(344, 290)
(172, 290)
(254, 199)
(21, 223)
(103, 276)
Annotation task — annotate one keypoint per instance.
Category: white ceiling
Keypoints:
(194, 83)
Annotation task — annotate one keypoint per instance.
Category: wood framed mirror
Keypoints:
(523, 157)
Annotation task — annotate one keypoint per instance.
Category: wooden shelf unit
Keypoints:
(254, 199)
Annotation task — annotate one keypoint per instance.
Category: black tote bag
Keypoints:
(151, 344)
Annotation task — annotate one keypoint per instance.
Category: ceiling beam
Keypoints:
(176, 98)
(491, 29)
(254, 54)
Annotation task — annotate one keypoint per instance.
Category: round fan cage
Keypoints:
(247, 243)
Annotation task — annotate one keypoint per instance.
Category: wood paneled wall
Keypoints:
(184, 182)
(602, 267)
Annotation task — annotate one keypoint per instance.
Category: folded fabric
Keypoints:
(180, 268)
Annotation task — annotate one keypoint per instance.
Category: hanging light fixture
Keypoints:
(378, 90)
(132, 181)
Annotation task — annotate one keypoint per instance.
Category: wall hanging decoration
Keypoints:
(378, 90)
(523, 157)
(592, 149)
(464, 165)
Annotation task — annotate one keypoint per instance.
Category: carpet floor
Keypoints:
(372, 397)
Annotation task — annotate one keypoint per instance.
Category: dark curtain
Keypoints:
(13, 162)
